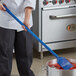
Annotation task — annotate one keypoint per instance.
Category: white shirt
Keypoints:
(17, 8)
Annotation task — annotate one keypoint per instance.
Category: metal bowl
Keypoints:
(53, 71)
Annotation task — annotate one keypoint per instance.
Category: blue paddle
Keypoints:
(62, 61)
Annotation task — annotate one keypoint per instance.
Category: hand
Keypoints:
(2, 7)
(28, 11)
(26, 24)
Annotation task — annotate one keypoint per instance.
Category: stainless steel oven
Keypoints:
(55, 24)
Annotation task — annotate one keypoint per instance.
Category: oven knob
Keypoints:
(45, 2)
(67, 1)
(54, 1)
(71, 27)
(61, 1)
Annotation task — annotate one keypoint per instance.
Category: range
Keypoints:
(55, 24)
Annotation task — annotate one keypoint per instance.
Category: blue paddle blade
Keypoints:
(64, 63)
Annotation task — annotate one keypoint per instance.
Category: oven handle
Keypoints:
(62, 16)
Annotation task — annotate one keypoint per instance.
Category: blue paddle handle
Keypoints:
(31, 32)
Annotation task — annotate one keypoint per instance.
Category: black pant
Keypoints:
(22, 43)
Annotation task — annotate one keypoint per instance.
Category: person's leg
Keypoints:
(6, 51)
(24, 53)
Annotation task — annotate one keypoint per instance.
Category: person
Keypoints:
(14, 36)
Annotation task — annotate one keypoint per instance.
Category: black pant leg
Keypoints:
(24, 53)
(6, 51)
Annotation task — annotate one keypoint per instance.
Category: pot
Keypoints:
(55, 70)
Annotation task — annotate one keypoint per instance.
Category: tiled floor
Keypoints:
(38, 65)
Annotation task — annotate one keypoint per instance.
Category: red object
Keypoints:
(46, 2)
(69, 0)
(62, 1)
(56, 1)
(69, 28)
(57, 66)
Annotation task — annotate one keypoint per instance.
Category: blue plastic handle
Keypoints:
(31, 32)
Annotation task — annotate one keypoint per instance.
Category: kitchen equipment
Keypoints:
(63, 62)
(59, 17)
(53, 71)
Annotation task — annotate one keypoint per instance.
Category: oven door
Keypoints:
(59, 25)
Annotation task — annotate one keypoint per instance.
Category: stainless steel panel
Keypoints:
(56, 29)
(60, 45)
(40, 30)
